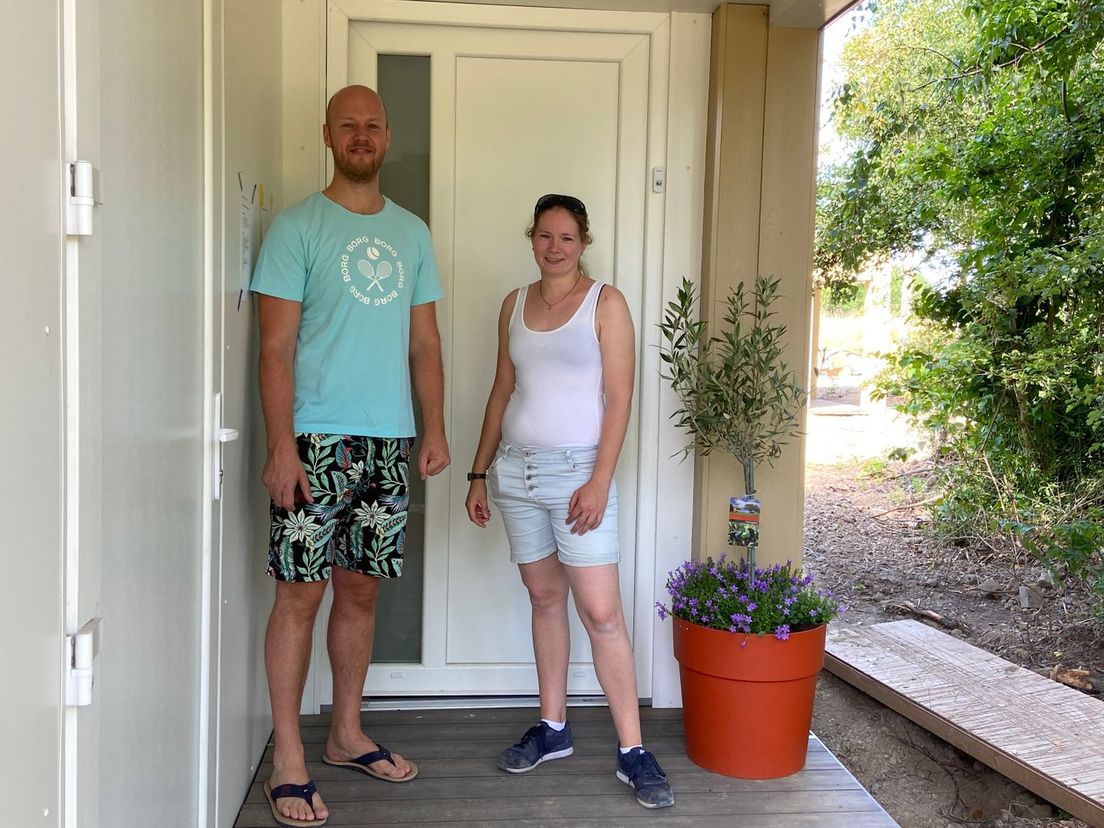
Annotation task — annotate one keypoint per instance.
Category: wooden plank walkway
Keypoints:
(1044, 735)
(458, 783)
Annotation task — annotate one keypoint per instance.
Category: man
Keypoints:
(347, 283)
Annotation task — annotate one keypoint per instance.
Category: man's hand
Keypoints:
(433, 455)
(285, 478)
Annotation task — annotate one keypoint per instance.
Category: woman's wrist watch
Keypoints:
(476, 476)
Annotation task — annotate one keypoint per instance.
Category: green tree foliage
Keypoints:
(977, 130)
(846, 299)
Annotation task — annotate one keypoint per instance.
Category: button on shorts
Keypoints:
(532, 489)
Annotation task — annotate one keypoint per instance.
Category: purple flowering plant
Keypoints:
(724, 595)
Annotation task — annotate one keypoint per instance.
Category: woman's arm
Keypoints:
(491, 434)
(618, 347)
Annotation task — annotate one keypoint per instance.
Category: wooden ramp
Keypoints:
(1044, 735)
(459, 785)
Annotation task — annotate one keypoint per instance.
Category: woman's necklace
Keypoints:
(550, 305)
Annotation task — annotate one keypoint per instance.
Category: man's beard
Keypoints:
(361, 173)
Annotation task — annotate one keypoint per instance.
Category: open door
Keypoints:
(242, 177)
(32, 337)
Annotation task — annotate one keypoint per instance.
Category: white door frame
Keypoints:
(676, 141)
(655, 27)
(80, 130)
(443, 670)
(207, 746)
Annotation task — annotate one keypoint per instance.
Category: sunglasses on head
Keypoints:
(570, 203)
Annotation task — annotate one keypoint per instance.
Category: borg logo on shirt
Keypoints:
(381, 271)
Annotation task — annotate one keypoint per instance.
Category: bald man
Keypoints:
(346, 285)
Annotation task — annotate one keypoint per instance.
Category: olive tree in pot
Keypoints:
(747, 694)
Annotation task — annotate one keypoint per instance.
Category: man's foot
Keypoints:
(390, 766)
(539, 744)
(295, 807)
(639, 769)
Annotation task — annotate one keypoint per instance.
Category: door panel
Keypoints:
(515, 113)
(528, 156)
(31, 336)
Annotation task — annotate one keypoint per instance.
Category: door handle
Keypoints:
(228, 435)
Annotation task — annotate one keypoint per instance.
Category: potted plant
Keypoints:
(749, 641)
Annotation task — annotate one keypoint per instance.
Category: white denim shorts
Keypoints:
(532, 489)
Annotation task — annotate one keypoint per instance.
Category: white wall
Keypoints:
(30, 415)
(152, 303)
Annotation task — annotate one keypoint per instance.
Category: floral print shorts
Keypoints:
(358, 518)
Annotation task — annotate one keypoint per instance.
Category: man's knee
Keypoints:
(298, 601)
(356, 588)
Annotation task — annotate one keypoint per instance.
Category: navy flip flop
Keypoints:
(361, 763)
(304, 792)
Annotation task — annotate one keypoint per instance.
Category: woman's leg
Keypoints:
(548, 586)
(598, 599)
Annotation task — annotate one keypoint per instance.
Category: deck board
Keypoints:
(458, 783)
(1044, 735)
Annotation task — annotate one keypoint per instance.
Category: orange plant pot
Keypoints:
(747, 700)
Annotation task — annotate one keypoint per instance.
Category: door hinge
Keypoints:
(81, 650)
(82, 199)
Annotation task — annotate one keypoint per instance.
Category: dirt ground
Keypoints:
(865, 539)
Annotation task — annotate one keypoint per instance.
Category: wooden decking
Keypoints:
(1045, 736)
(458, 783)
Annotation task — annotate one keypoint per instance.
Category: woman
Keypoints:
(552, 432)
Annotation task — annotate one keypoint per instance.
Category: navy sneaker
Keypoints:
(539, 744)
(639, 769)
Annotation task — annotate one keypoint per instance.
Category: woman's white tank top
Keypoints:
(558, 396)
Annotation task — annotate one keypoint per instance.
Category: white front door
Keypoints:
(515, 111)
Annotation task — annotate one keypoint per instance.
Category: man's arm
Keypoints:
(428, 376)
(279, 329)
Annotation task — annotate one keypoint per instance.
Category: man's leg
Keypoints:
(349, 639)
(287, 659)
(547, 584)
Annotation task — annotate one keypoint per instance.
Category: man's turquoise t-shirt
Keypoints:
(357, 277)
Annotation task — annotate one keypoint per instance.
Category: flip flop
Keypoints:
(361, 763)
(305, 792)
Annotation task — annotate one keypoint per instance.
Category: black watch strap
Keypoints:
(477, 476)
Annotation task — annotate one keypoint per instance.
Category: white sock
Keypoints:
(626, 750)
(557, 726)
